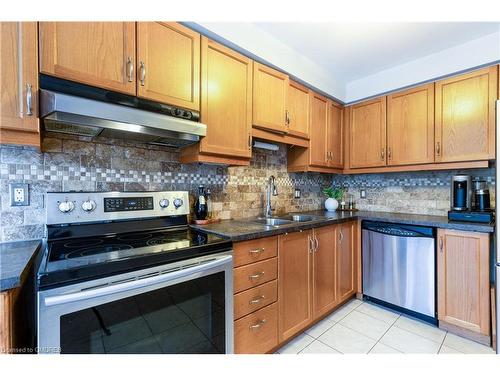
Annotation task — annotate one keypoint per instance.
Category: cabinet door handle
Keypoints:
(331, 155)
(382, 153)
(256, 300)
(309, 244)
(316, 243)
(249, 141)
(287, 118)
(257, 251)
(341, 236)
(260, 323)
(389, 153)
(29, 99)
(130, 69)
(438, 148)
(257, 275)
(441, 244)
(143, 73)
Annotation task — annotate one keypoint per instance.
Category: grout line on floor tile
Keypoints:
(361, 312)
(418, 334)
(383, 336)
(442, 343)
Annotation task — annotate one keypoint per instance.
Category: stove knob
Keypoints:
(178, 202)
(88, 205)
(66, 206)
(164, 203)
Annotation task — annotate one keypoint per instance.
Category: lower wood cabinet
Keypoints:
(346, 260)
(295, 282)
(463, 283)
(257, 333)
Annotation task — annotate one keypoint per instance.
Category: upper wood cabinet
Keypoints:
(19, 84)
(298, 110)
(318, 145)
(465, 116)
(270, 89)
(335, 135)
(463, 282)
(346, 260)
(294, 283)
(410, 126)
(324, 270)
(226, 109)
(100, 54)
(168, 64)
(367, 134)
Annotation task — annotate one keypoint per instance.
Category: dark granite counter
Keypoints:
(245, 229)
(15, 259)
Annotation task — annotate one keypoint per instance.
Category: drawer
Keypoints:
(254, 274)
(255, 250)
(257, 333)
(253, 299)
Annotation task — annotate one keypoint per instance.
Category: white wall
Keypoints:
(265, 46)
(484, 50)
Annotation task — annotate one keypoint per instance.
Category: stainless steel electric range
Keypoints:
(124, 273)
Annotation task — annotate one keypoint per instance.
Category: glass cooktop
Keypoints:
(99, 255)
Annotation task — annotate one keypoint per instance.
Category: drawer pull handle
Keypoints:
(256, 300)
(259, 324)
(257, 275)
(257, 251)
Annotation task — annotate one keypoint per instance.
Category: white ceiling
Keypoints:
(356, 50)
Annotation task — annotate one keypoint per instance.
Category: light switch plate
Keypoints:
(362, 193)
(19, 194)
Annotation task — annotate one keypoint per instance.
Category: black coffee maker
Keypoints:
(481, 196)
(470, 202)
(461, 193)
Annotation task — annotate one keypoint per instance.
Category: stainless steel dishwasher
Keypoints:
(399, 267)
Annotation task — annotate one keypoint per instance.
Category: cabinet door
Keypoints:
(298, 110)
(269, 98)
(465, 116)
(367, 134)
(346, 260)
(463, 280)
(168, 64)
(319, 121)
(100, 54)
(324, 270)
(226, 106)
(410, 126)
(335, 135)
(19, 83)
(294, 283)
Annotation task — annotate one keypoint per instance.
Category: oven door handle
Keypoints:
(136, 284)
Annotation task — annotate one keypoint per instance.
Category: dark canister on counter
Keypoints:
(200, 205)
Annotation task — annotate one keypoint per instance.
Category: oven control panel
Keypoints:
(81, 207)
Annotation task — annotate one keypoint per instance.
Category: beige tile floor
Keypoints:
(362, 327)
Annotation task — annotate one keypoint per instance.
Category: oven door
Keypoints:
(182, 307)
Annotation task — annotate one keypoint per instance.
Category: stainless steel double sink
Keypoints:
(285, 220)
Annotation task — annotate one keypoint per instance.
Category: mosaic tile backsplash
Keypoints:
(80, 163)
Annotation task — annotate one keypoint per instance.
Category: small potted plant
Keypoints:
(334, 195)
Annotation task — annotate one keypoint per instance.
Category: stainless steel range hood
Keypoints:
(81, 116)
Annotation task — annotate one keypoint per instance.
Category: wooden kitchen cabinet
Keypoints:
(465, 116)
(294, 285)
(367, 134)
(270, 89)
(324, 270)
(410, 126)
(226, 106)
(319, 131)
(298, 110)
(257, 333)
(335, 135)
(168, 64)
(346, 260)
(100, 54)
(463, 283)
(19, 122)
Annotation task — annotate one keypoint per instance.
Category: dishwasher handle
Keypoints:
(398, 230)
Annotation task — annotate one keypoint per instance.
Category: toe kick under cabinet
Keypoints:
(284, 284)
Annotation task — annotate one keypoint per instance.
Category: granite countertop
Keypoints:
(245, 229)
(15, 258)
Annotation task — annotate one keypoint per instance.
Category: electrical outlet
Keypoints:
(19, 194)
(362, 193)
